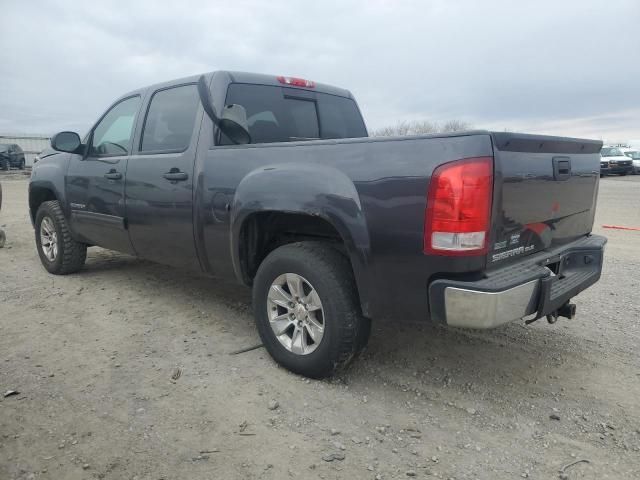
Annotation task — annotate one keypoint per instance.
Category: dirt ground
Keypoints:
(93, 356)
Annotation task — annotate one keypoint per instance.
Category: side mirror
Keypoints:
(66, 142)
(234, 117)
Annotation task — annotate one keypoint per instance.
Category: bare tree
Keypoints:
(455, 126)
(420, 127)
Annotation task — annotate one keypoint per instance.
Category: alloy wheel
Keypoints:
(49, 239)
(295, 313)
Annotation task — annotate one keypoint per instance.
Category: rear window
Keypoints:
(281, 114)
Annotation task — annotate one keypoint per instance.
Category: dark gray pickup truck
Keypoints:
(274, 182)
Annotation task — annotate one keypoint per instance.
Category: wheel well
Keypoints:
(265, 231)
(37, 196)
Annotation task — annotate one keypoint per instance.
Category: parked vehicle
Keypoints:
(11, 155)
(634, 155)
(272, 181)
(613, 160)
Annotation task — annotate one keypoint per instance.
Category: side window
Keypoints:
(170, 119)
(112, 136)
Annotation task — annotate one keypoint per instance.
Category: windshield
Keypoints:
(610, 152)
(281, 114)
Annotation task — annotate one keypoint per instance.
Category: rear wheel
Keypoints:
(21, 166)
(59, 253)
(306, 309)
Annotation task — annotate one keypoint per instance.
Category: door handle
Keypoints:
(113, 175)
(175, 175)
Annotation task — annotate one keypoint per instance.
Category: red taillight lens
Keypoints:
(296, 82)
(458, 214)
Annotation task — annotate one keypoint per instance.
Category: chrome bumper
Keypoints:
(472, 309)
(519, 289)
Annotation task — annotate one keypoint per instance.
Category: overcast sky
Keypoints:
(566, 67)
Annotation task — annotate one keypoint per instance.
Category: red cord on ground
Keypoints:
(617, 227)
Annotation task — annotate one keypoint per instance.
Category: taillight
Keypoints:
(458, 213)
(296, 82)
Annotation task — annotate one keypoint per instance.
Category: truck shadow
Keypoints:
(431, 360)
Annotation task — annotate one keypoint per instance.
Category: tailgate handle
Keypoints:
(561, 168)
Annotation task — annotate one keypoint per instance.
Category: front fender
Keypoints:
(49, 174)
(309, 189)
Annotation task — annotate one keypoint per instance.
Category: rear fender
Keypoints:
(309, 189)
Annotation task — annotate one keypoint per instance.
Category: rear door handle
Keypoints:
(113, 175)
(175, 175)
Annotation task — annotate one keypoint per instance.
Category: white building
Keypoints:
(30, 144)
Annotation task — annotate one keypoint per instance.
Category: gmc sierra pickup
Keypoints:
(274, 182)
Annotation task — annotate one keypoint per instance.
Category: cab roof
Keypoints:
(250, 78)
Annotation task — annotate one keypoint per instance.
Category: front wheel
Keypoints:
(306, 309)
(59, 252)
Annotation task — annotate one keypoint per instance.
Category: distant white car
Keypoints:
(614, 160)
(634, 155)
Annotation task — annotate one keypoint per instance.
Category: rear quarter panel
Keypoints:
(372, 190)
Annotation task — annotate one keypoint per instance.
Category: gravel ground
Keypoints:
(125, 371)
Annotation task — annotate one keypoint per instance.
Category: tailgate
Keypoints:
(544, 193)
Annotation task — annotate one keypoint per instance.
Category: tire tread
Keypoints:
(74, 254)
(334, 267)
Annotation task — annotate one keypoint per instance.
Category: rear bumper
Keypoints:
(519, 290)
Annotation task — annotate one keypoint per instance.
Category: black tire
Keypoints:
(71, 254)
(624, 174)
(346, 331)
(4, 165)
(3, 238)
(21, 166)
